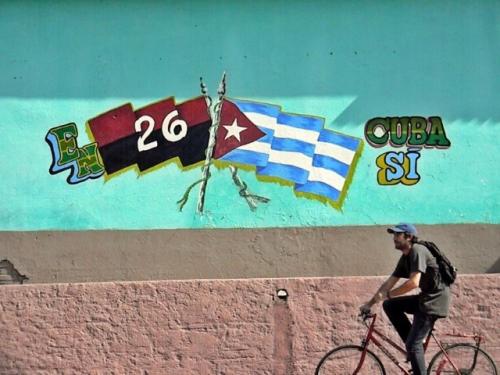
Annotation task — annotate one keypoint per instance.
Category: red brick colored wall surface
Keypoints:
(205, 327)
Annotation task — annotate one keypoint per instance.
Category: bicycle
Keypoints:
(456, 359)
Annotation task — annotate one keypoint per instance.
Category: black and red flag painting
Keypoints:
(173, 131)
(153, 134)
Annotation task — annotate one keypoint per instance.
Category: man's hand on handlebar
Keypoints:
(365, 312)
(365, 309)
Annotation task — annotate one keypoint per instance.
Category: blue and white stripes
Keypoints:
(334, 155)
(298, 149)
(292, 148)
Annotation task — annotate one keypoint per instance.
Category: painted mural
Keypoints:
(292, 148)
(329, 116)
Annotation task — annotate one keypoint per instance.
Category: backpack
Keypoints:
(447, 271)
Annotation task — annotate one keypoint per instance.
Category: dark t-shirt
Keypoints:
(435, 296)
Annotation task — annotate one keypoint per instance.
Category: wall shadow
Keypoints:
(495, 268)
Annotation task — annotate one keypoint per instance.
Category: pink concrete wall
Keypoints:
(204, 327)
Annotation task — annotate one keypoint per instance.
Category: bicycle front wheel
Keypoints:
(467, 358)
(344, 360)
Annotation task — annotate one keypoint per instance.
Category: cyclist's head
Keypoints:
(404, 234)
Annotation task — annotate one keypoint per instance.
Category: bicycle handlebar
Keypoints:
(367, 315)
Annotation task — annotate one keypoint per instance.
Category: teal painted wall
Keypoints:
(348, 62)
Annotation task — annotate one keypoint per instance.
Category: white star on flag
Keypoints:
(234, 130)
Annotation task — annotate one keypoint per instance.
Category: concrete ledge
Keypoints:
(47, 257)
(206, 327)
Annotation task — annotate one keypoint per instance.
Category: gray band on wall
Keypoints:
(47, 257)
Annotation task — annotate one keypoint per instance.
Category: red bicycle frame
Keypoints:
(370, 337)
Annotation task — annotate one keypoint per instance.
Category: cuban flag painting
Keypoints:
(298, 150)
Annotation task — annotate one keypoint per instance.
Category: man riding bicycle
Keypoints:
(420, 268)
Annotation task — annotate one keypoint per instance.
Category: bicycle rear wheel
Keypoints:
(345, 359)
(468, 358)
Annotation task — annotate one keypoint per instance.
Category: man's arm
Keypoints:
(412, 283)
(381, 293)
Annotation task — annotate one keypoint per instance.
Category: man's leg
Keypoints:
(422, 324)
(395, 310)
